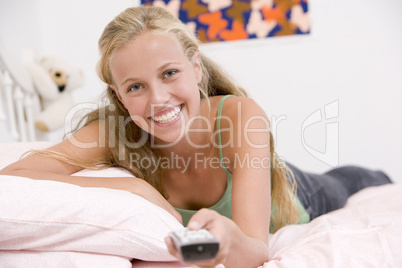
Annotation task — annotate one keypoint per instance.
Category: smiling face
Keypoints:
(157, 84)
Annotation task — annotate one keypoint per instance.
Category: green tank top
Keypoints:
(224, 205)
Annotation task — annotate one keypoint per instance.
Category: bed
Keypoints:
(19, 102)
(53, 224)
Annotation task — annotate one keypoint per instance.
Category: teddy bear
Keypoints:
(54, 79)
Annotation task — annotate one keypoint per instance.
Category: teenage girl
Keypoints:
(197, 145)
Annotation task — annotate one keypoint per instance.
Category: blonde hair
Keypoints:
(124, 29)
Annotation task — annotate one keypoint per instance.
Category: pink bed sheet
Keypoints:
(367, 232)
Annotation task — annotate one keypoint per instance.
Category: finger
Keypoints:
(201, 219)
(202, 264)
(171, 248)
(174, 252)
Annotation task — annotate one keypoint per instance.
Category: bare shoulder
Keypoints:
(86, 145)
(244, 127)
(89, 141)
(239, 107)
(89, 136)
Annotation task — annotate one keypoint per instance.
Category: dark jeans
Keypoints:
(322, 193)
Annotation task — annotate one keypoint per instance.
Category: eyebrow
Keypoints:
(160, 68)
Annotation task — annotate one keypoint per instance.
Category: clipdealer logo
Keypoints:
(330, 155)
(326, 117)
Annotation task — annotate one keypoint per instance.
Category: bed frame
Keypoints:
(18, 100)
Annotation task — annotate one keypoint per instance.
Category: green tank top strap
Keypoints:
(218, 129)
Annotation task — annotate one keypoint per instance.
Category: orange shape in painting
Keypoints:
(215, 23)
(272, 14)
(237, 32)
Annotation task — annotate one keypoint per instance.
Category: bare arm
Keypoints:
(247, 234)
(251, 190)
(243, 240)
(83, 147)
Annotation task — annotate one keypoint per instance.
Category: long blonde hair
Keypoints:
(124, 29)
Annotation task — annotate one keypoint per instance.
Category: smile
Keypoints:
(168, 117)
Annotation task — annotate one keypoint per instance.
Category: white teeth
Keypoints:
(168, 117)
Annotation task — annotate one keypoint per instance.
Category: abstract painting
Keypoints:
(226, 20)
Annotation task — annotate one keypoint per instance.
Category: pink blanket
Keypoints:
(367, 232)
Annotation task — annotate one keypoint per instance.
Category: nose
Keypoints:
(59, 77)
(160, 95)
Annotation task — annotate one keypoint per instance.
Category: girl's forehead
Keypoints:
(146, 53)
(153, 35)
(156, 42)
(150, 41)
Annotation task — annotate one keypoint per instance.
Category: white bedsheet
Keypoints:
(367, 232)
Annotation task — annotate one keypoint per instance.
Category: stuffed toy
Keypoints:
(54, 79)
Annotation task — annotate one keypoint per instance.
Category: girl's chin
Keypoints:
(164, 141)
(167, 138)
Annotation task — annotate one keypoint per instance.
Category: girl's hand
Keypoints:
(224, 229)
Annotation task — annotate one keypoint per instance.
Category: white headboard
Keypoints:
(18, 100)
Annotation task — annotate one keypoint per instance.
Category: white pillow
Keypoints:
(44, 215)
(60, 259)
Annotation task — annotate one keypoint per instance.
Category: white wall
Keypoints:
(69, 28)
(19, 25)
(72, 28)
(353, 55)
(352, 58)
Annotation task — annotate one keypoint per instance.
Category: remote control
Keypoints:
(195, 245)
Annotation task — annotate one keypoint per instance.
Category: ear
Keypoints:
(197, 66)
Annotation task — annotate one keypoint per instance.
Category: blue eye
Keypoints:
(169, 73)
(135, 87)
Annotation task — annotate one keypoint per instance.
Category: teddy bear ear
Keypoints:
(42, 82)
